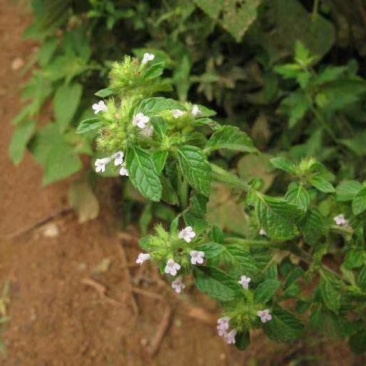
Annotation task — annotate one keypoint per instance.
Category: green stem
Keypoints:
(252, 243)
(315, 10)
(223, 176)
(182, 190)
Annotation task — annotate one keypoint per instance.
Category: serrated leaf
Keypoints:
(283, 327)
(359, 202)
(284, 164)
(347, 189)
(211, 250)
(330, 295)
(277, 217)
(159, 158)
(231, 138)
(156, 105)
(154, 71)
(22, 135)
(88, 125)
(322, 184)
(143, 173)
(66, 102)
(314, 226)
(266, 290)
(361, 279)
(195, 168)
(355, 258)
(298, 196)
(217, 284)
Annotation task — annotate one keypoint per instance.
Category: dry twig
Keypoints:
(101, 290)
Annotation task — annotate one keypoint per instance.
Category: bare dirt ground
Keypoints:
(75, 297)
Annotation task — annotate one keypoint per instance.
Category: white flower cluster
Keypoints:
(143, 122)
(265, 315)
(99, 107)
(118, 157)
(223, 330)
(147, 58)
(244, 281)
(177, 113)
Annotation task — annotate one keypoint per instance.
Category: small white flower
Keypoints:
(177, 113)
(142, 257)
(262, 232)
(340, 220)
(178, 285)
(147, 131)
(100, 164)
(223, 325)
(196, 111)
(140, 120)
(99, 107)
(197, 257)
(230, 337)
(172, 267)
(123, 171)
(147, 58)
(187, 234)
(265, 315)
(244, 281)
(118, 158)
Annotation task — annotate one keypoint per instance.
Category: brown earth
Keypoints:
(75, 298)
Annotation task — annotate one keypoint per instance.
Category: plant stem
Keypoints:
(252, 243)
(315, 11)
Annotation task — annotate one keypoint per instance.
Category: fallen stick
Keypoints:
(160, 333)
(153, 295)
(101, 290)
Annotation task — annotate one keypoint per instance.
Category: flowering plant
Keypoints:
(302, 264)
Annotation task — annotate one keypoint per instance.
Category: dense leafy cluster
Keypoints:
(276, 237)
(277, 275)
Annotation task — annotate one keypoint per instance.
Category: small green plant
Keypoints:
(301, 265)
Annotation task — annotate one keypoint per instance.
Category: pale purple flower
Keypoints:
(99, 107)
(197, 257)
(177, 113)
(147, 58)
(230, 337)
(340, 220)
(123, 171)
(118, 158)
(262, 232)
(142, 257)
(187, 234)
(100, 164)
(140, 120)
(172, 267)
(265, 315)
(244, 281)
(196, 111)
(178, 285)
(223, 325)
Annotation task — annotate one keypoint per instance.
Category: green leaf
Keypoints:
(154, 106)
(358, 341)
(104, 93)
(242, 340)
(231, 138)
(347, 189)
(159, 158)
(330, 295)
(217, 284)
(235, 16)
(283, 327)
(211, 250)
(47, 51)
(195, 168)
(143, 173)
(22, 135)
(321, 184)
(266, 290)
(88, 125)
(66, 102)
(284, 164)
(55, 154)
(359, 202)
(277, 217)
(361, 279)
(314, 226)
(154, 71)
(298, 196)
(355, 258)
